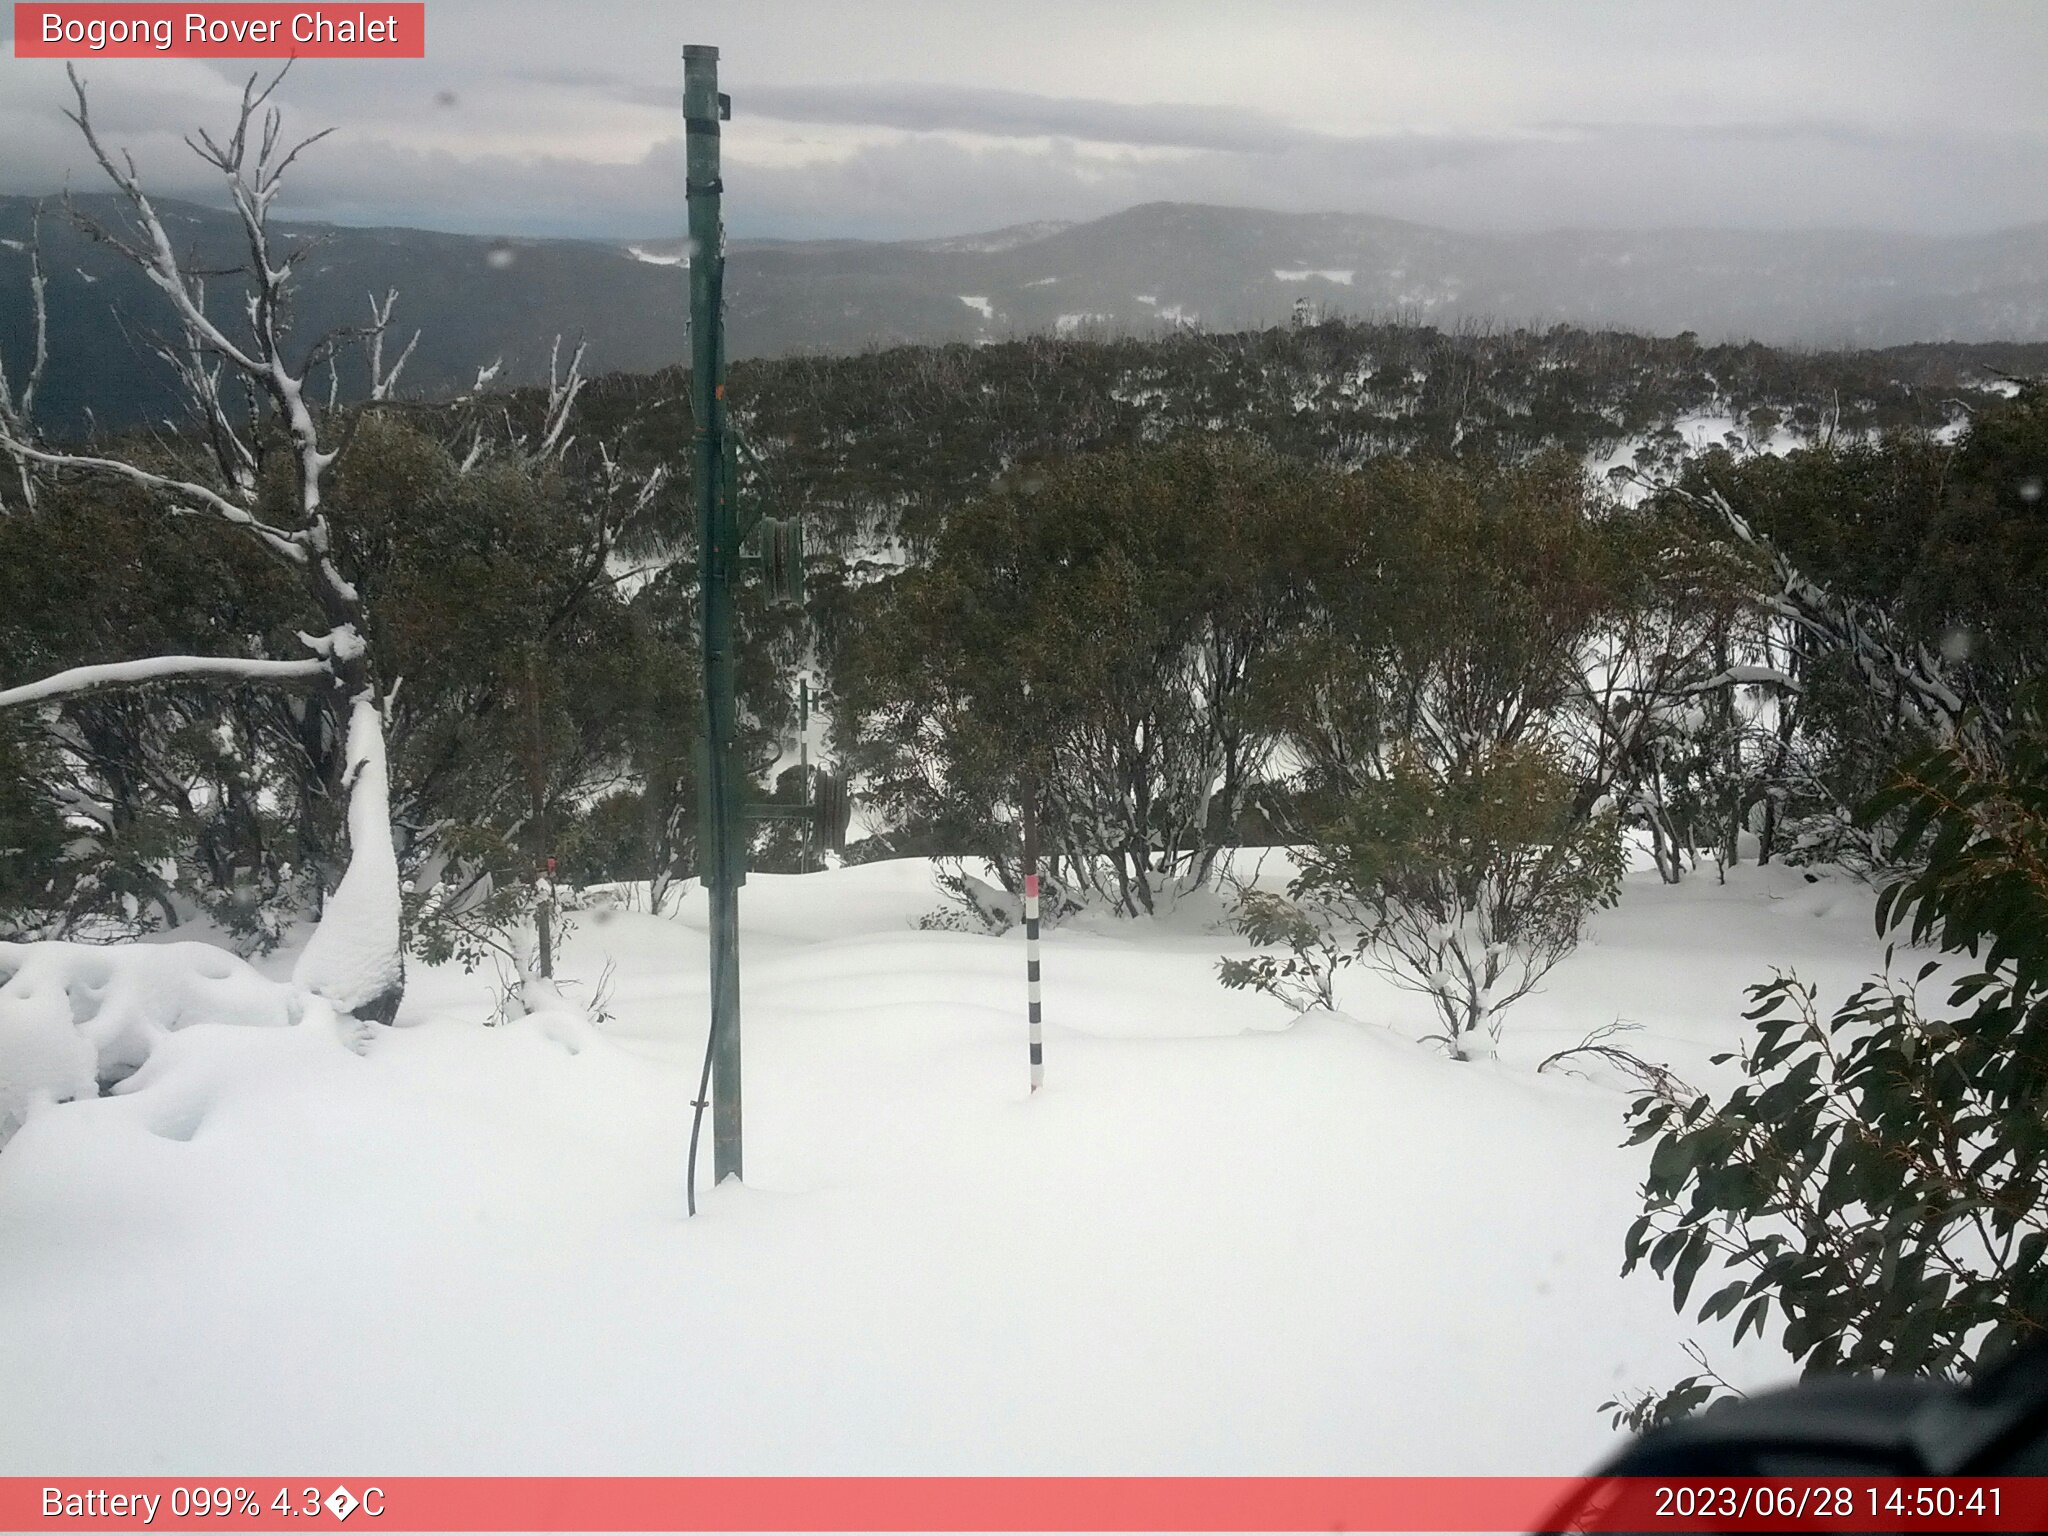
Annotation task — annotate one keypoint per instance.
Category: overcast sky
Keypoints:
(897, 118)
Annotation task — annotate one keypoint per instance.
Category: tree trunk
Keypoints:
(537, 819)
(1664, 845)
(356, 958)
(1731, 763)
(1772, 779)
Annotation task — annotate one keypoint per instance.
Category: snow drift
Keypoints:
(1218, 1241)
(74, 1017)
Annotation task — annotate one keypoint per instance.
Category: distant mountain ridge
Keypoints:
(1160, 266)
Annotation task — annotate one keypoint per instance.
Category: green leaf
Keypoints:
(1724, 1301)
(1696, 1252)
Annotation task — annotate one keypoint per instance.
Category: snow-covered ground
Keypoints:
(1218, 1242)
(1691, 433)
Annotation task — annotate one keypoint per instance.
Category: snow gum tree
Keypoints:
(128, 809)
(268, 448)
(535, 690)
(1429, 700)
(1894, 608)
(1101, 626)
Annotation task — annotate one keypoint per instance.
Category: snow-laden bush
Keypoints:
(1305, 977)
(1466, 888)
(78, 1017)
(975, 906)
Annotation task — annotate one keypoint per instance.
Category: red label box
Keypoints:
(320, 31)
(1679, 1506)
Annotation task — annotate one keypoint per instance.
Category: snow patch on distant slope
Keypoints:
(1066, 325)
(996, 240)
(1686, 435)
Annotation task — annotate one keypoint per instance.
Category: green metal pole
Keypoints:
(717, 541)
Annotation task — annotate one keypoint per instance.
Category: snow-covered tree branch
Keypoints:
(76, 682)
(1881, 657)
(383, 381)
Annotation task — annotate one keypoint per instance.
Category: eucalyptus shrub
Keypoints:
(1466, 888)
(1879, 1180)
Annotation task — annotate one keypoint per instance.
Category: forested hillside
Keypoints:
(527, 560)
(881, 443)
(1143, 273)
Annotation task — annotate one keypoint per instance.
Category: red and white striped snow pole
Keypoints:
(1031, 933)
(1031, 973)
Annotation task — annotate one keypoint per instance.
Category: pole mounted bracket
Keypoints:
(777, 810)
(780, 558)
(710, 124)
(777, 543)
(829, 809)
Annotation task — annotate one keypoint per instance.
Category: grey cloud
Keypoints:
(607, 83)
(1594, 114)
(1020, 114)
(928, 184)
(1793, 130)
(577, 79)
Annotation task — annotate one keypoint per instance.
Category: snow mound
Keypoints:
(74, 1016)
(42, 1058)
(556, 1017)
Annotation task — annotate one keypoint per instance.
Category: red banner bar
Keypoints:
(1251, 1504)
(373, 30)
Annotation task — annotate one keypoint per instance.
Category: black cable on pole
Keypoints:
(701, 1102)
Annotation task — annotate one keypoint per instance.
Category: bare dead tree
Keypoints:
(18, 407)
(551, 442)
(355, 957)
(382, 382)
